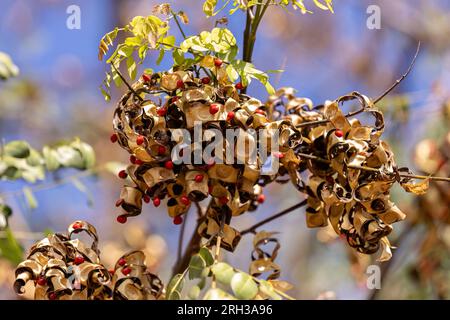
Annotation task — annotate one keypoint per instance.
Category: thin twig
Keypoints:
(405, 175)
(181, 237)
(271, 218)
(125, 81)
(178, 24)
(375, 101)
(398, 81)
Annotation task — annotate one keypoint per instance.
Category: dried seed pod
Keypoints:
(55, 265)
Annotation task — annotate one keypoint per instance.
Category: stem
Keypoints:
(271, 218)
(216, 259)
(398, 81)
(251, 27)
(125, 81)
(406, 175)
(180, 238)
(178, 23)
(191, 249)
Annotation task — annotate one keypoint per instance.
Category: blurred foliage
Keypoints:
(7, 67)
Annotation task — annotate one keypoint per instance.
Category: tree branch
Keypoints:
(398, 81)
(406, 175)
(271, 218)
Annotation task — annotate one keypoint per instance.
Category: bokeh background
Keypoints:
(324, 55)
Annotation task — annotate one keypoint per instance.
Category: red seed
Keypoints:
(339, 133)
(175, 99)
(126, 271)
(156, 201)
(111, 271)
(223, 200)
(52, 296)
(161, 150)
(41, 281)
(180, 84)
(230, 116)
(77, 225)
(139, 162)
(123, 174)
(185, 200)
(114, 137)
(239, 86)
(119, 202)
(261, 198)
(177, 220)
(122, 219)
(206, 80)
(161, 112)
(260, 111)
(78, 260)
(140, 140)
(133, 159)
(214, 108)
(168, 164)
(146, 77)
(218, 62)
(122, 262)
(198, 178)
(146, 199)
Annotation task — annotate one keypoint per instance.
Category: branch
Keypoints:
(406, 175)
(271, 218)
(192, 248)
(375, 101)
(398, 81)
(125, 81)
(180, 237)
(178, 23)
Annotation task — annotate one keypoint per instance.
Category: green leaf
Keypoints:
(209, 7)
(207, 256)
(178, 57)
(223, 272)
(106, 41)
(131, 67)
(30, 198)
(266, 288)
(232, 73)
(10, 249)
(17, 149)
(168, 42)
(243, 286)
(174, 287)
(50, 159)
(7, 68)
(160, 56)
(218, 294)
(5, 213)
(196, 266)
(194, 292)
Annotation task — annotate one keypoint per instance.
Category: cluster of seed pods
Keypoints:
(341, 165)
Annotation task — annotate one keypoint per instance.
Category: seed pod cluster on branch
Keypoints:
(65, 268)
(342, 165)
